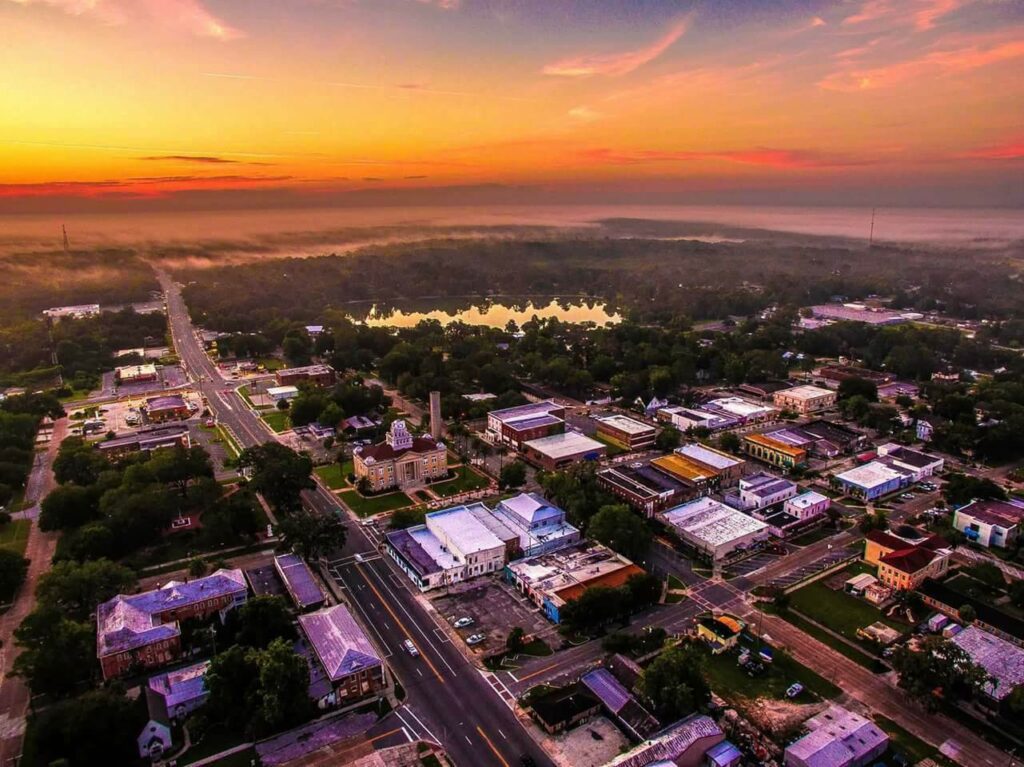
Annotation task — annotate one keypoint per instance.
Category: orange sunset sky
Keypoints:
(111, 102)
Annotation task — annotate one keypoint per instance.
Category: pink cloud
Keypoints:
(922, 14)
(1011, 150)
(774, 158)
(949, 61)
(615, 64)
(188, 15)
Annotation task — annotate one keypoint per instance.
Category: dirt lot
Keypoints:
(579, 747)
(495, 609)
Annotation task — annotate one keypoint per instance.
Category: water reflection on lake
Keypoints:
(494, 314)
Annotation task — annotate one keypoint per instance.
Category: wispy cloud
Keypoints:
(921, 14)
(584, 114)
(444, 5)
(188, 15)
(143, 186)
(775, 158)
(396, 88)
(950, 60)
(198, 159)
(615, 64)
(1009, 150)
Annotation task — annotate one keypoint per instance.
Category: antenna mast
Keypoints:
(871, 237)
(67, 245)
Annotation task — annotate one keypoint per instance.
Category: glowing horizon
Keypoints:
(121, 100)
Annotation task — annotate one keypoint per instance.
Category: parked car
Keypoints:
(410, 648)
(794, 690)
(475, 639)
(462, 623)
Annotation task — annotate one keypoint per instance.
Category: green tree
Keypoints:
(668, 438)
(939, 670)
(644, 590)
(13, 568)
(260, 621)
(94, 730)
(312, 535)
(514, 642)
(674, 684)
(594, 609)
(279, 473)
(967, 613)
(68, 506)
(964, 488)
(617, 527)
(512, 476)
(180, 466)
(989, 574)
(58, 654)
(76, 588)
(858, 387)
(79, 462)
(729, 442)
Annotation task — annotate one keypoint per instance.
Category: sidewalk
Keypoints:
(14, 694)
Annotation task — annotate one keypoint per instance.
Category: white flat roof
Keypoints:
(740, 407)
(624, 424)
(805, 500)
(714, 458)
(460, 526)
(869, 475)
(282, 390)
(713, 522)
(806, 392)
(562, 445)
(433, 548)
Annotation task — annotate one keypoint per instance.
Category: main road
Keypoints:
(454, 702)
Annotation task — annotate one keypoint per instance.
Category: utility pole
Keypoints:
(67, 245)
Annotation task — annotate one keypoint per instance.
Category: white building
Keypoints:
(990, 523)
(278, 393)
(541, 526)
(919, 465)
(745, 410)
(758, 491)
(1003, 660)
(72, 312)
(837, 738)
(871, 480)
(807, 505)
(715, 529)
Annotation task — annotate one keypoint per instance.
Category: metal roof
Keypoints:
(340, 644)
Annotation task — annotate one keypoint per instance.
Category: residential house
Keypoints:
(352, 665)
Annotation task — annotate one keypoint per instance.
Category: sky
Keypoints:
(110, 105)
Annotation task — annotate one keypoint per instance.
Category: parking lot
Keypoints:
(827, 560)
(751, 564)
(495, 608)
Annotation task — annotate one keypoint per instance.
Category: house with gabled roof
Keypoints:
(351, 664)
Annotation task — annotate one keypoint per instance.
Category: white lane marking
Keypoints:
(502, 734)
(415, 623)
(420, 722)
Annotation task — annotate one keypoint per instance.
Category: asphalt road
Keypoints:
(457, 705)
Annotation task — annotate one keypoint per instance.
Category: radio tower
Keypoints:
(871, 237)
(67, 245)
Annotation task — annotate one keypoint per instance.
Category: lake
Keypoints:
(494, 314)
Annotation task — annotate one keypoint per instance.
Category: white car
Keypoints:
(475, 639)
(410, 648)
(462, 623)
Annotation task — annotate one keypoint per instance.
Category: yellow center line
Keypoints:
(491, 745)
(387, 734)
(401, 625)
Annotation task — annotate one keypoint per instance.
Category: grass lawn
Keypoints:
(867, 661)
(465, 479)
(14, 535)
(278, 420)
(216, 739)
(366, 507)
(270, 363)
(244, 391)
(813, 536)
(674, 599)
(333, 475)
(837, 610)
(729, 680)
(675, 583)
(538, 648)
(911, 746)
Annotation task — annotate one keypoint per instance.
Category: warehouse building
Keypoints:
(727, 468)
(646, 488)
(870, 481)
(714, 529)
(991, 522)
(560, 450)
